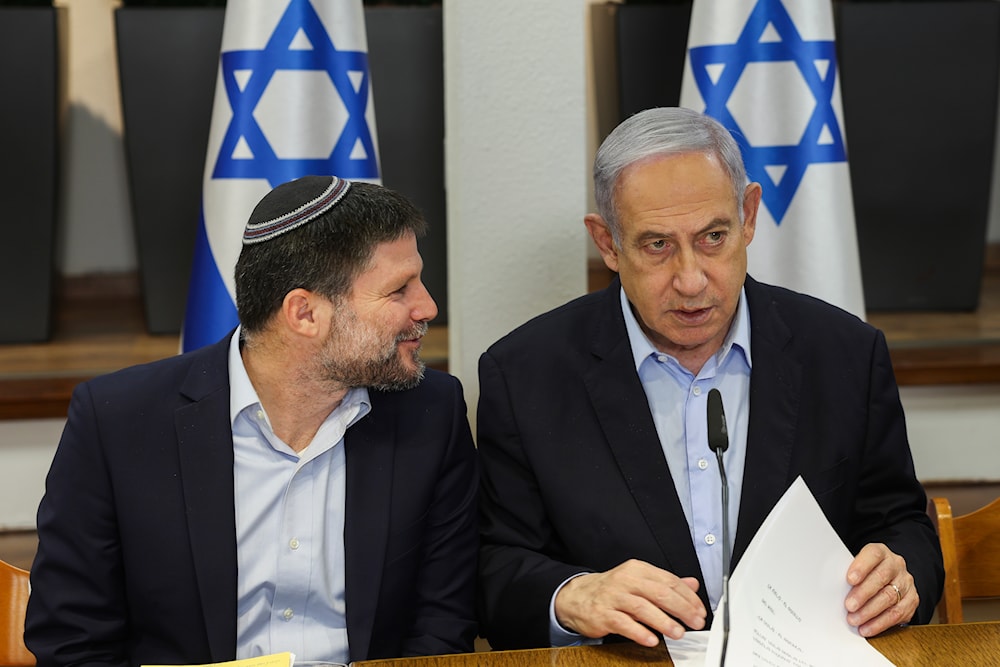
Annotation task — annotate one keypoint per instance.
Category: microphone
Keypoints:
(718, 442)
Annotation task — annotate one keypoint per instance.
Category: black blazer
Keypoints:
(136, 558)
(574, 478)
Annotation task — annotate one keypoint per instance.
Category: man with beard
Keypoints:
(302, 485)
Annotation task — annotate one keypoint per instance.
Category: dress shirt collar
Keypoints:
(242, 395)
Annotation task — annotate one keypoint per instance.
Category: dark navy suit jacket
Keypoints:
(137, 560)
(574, 478)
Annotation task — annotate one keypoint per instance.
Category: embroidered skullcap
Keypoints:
(292, 205)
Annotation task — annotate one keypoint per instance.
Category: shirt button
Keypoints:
(662, 358)
(696, 391)
(288, 614)
(260, 415)
(702, 463)
(294, 543)
(709, 540)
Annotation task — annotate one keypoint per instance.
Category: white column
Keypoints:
(95, 233)
(517, 167)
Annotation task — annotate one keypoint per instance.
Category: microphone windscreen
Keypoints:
(718, 435)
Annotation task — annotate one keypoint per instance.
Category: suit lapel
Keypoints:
(369, 452)
(205, 445)
(622, 409)
(775, 383)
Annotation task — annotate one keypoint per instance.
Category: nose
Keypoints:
(424, 309)
(689, 277)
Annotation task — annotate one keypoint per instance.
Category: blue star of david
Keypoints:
(262, 65)
(750, 49)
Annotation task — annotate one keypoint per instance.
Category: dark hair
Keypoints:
(325, 255)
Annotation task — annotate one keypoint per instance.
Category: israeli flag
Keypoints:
(293, 97)
(767, 70)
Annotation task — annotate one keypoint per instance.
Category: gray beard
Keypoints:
(383, 370)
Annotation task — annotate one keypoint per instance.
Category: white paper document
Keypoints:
(787, 597)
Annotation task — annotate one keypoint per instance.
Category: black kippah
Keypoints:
(292, 205)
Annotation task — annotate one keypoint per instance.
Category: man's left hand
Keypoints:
(882, 594)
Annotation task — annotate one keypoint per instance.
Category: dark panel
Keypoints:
(652, 45)
(920, 98)
(167, 60)
(919, 83)
(28, 170)
(406, 58)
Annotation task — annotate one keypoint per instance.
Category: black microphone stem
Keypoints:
(718, 442)
(725, 557)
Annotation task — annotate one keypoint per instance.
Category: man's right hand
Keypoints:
(630, 600)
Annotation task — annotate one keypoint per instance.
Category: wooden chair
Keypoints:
(13, 602)
(970, 545)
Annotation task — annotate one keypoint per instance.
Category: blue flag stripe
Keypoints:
(210, 310)
(241, 156)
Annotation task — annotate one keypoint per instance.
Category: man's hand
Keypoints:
(883, 594)
(629, 600)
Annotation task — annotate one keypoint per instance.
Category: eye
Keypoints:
(659, 245)
(715, 238)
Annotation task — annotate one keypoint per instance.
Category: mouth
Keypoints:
(413, 337)
(692, 316)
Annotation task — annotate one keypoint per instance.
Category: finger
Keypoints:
(883, 600)
(900, 610)
(676, 596)
(629, 600)
(889, 568)
(645, 617)
(658, 607)
(680, 603)
(596, 611)
(867, 560)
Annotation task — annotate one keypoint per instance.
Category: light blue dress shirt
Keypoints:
(289, 528)
(678, 402)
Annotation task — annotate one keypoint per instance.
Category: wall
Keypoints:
(94, 229)
(515, 130)
(26, 448)
(953, 431)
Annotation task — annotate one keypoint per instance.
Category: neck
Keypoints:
(296, 402)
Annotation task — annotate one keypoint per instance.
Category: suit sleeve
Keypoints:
(517, 579)
(445, 618)
(77, 608)
(891, 504)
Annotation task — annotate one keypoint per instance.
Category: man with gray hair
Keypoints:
(303, 485)
(601, 512)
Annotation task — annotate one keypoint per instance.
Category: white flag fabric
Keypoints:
(293, 97)
(767, 70)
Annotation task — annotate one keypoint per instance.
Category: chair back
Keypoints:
(14, 589)
(970, 547)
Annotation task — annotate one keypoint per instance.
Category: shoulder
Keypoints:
(432, 416)
(570, 325)
(438, 383)
(808, 328)
(437, 392)
(207, 366)
(800, 311)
